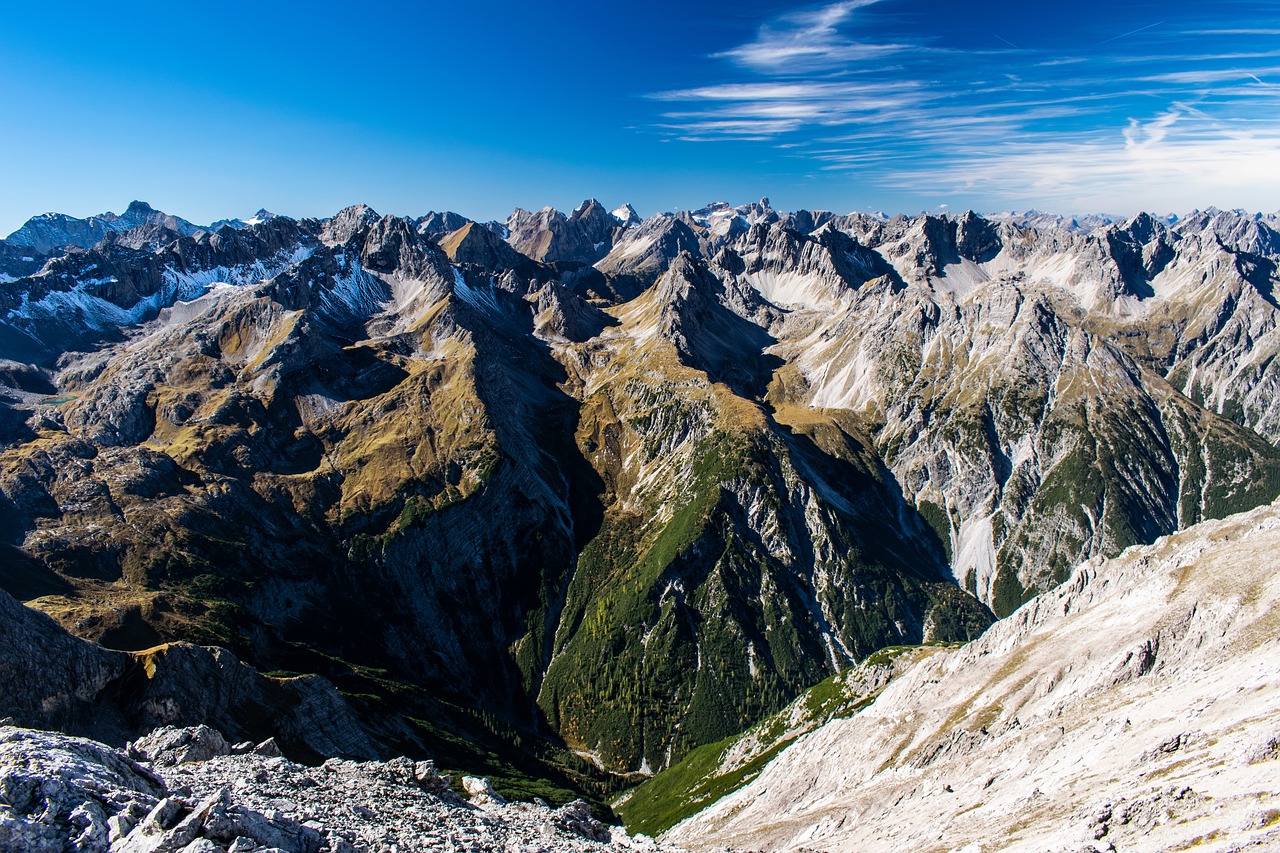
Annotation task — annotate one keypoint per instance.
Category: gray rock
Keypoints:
(119, 826)
(202, 845)
(229, 822)
(53, 680)
(160, 831)
(576, 817)
(57, 791)
(480, 790)
(268, 748)
(169, 745)
(425, 774)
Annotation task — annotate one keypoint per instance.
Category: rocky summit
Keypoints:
(188, 790)
(560, 500)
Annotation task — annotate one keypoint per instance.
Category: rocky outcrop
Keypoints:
(645, 251)
(474, 244)
(436, 224)
(82, 297)
(53, 679)
(347, 223)
(61, 793)
(168, 746)
(597, 225)
(559, 313)
(627, 216)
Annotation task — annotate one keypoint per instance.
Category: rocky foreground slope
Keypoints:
(1135, 708)
(188, 790)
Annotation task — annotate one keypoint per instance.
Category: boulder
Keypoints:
(171, 745)
(480, 791)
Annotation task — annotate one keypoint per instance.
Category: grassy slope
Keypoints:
(715, 770)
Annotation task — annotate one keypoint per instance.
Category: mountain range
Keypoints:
(580, 493)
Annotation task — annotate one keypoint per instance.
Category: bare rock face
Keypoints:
(439, 223)
(60, 793)
(52, 231)
(597, 224)
(474, 244)
(646, 250)
(52, 678)
(552, 237)
(347, 223)
(480, 791)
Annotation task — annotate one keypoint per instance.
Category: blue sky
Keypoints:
(209, 111)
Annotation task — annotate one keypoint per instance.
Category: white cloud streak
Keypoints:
(1162, 173)
(807, 39)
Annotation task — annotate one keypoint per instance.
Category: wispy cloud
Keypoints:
(1235, 32)
(1160, 174)
(812, 38)
(1223, 75)
(756, 92)
(1167, 106)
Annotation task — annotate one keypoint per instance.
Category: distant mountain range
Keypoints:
(594, 490)
(51, 231)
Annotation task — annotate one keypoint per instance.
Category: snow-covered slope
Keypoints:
(1137, 705)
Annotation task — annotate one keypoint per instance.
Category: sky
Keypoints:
(214, 110)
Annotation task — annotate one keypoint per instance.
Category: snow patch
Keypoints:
(356, 294)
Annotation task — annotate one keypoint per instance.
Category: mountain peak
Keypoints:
(475, 244)
(585, 206)
(53, 231)
(347, 222)
(626, 214)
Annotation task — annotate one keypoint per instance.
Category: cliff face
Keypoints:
(630, 507)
